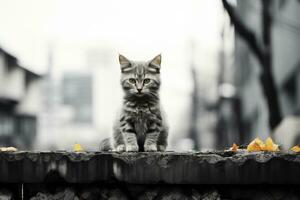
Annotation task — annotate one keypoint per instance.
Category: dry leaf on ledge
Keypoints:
(234, 147)
(255, 145)
(270, 145)
(78, 148)
(8, 149)
(296, 149)
(258, 145)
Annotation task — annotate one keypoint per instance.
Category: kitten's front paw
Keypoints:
(132, 148)
(120, 148)
(151, 147)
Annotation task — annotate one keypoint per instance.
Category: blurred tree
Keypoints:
(263, 54)
(193, 131)
(229, 127)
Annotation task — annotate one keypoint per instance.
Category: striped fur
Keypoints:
(140, 125)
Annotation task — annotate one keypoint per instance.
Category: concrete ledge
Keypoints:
(151, 168)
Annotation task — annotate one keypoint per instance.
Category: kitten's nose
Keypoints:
(139, 90)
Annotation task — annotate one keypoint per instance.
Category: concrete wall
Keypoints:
(31, 101)
(149, 176)
(12, 79)
(2, 66)
(13, 84)
(19, 102)
(19, 85)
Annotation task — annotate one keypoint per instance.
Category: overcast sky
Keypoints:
(135, 27)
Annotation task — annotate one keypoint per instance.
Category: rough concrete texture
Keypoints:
(113, 193)
(170, 192)
(5, 194)
(151, 168)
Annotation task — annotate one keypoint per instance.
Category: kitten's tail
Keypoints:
(105, 145)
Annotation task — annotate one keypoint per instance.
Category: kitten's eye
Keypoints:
(132, 80)
(146, 80)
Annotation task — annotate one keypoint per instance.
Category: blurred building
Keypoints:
(19, 102)
(77, 93)
(68, 112)
(76, 103)
(285, 48)
(104, 66)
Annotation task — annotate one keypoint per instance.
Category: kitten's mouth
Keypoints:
(139, 94)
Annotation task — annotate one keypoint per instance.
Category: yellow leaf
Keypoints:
(260, 143)
(270, 145)
(77, 147)
(234, 147)
(256, 145)
(296, 149)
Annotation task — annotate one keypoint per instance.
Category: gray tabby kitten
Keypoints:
(140, 125)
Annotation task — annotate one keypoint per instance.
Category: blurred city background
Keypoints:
(230, 69)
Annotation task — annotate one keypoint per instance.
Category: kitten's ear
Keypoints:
(124, 62)
(155, 62)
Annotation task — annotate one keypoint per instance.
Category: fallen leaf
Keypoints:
(296, 149)
(78, 147)
(270, 145)
(9, 149)
(256, 145)
(234, 147)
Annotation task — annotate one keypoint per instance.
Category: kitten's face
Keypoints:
(140, 79)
